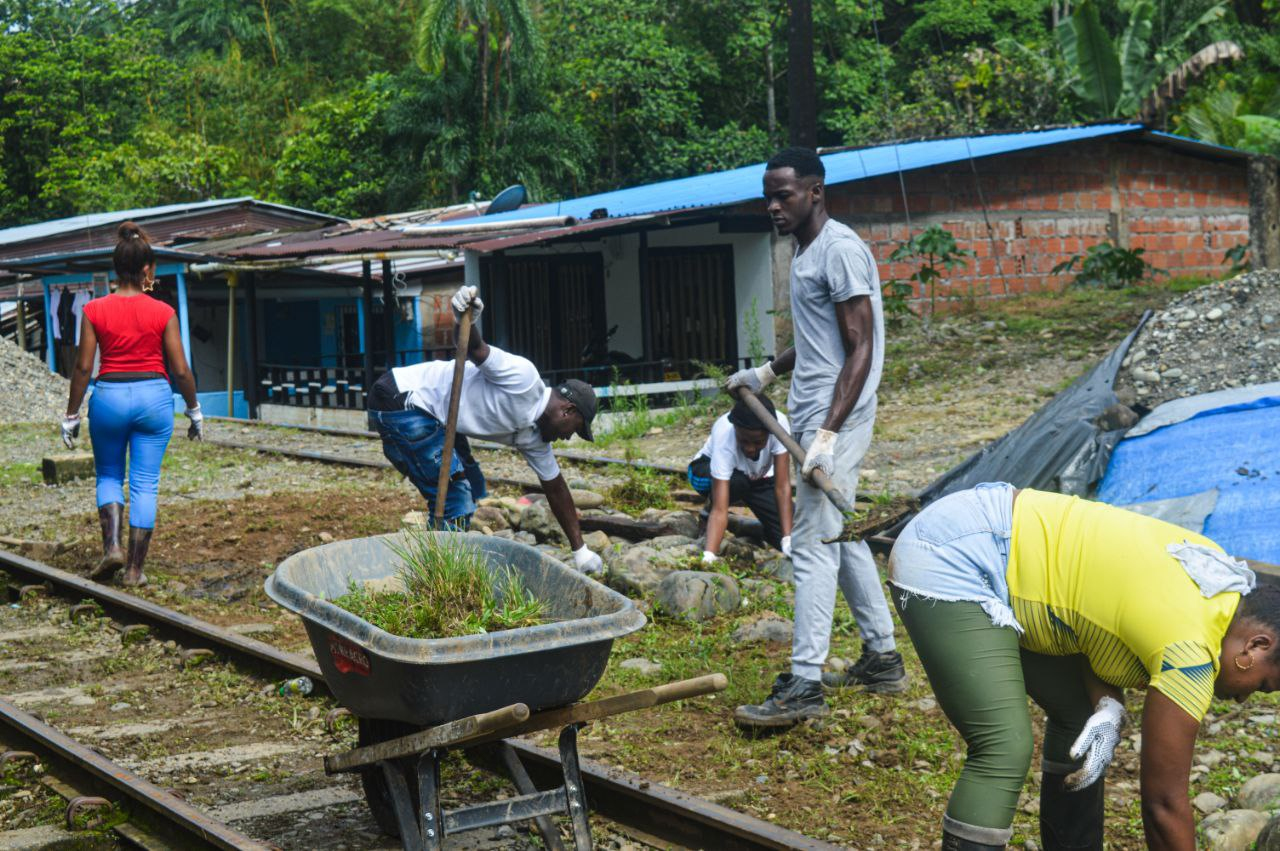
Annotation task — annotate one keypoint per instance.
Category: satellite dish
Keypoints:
(507, 200)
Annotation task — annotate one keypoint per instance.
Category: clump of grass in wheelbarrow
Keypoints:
(448, 591)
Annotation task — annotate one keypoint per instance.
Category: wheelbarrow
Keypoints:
(417, 698)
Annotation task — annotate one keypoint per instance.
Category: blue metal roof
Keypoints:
(39, 230)
(743, 184)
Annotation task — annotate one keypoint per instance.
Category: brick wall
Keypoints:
(1044, 206)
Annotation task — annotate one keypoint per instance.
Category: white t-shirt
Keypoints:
(722, 448)
(501, 401)
(835, 267)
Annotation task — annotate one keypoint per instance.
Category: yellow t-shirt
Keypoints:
(1085, 577)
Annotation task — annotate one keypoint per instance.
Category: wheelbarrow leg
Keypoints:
(524, 785)
(410, 835)
(574, 792)
(429, 800)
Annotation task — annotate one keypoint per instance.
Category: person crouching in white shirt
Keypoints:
(503, 400)
(742, 464)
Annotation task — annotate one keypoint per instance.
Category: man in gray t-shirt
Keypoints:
(835, 365)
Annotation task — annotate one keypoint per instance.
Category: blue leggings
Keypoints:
(137, 417)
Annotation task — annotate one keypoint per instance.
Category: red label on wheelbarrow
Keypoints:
(348, 658)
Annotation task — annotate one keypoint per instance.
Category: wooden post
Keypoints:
(251, 386)
(366, 301)
(21, 316)
(802, 97)
(389, 310)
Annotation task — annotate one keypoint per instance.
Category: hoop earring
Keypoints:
(1243, 667)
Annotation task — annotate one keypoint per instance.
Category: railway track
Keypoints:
(650, 812)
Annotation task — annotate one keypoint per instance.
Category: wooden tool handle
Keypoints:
(686, 689)
(821, 479)
(451, 423)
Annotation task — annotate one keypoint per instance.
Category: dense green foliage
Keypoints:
(360, 107)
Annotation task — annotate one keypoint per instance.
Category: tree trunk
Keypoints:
(484, 77)
(802, 96)
(770, 98)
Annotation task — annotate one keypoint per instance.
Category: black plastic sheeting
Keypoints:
(1059, 448)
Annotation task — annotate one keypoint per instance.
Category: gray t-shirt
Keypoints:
(835, 267)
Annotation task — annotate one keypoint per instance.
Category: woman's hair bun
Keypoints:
(130, 230)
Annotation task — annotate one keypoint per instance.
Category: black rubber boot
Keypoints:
(881, 673)
(139, 541)
(951, 842)
(791, 700)
(110, 516)
(1070, 821)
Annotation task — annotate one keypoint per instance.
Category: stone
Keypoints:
(1260, 793)
(1116, 417)
(597, 542)
(585, 499)
(1171, 374)
(697, 595)
(326, 537)
(1232, 830)
(663, 542)
(490, 519)
(60, 469)
(1207, 802)
(537, 520)
(738, 549)
(681, 523)
(779, 568)
(1214, 315)
(644, 667)
(524, 537)
(1146, 375)
(414, 520)
(632, 571)
(1210, 758)
(769, 628)
(1269, 838)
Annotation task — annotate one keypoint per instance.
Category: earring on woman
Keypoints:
(1243, 667)
(148, 285)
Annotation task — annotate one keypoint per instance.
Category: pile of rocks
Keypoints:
(1252, 820)
(29, 392)
(1218, 336)
(662, 571)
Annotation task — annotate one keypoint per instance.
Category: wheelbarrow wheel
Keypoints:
(376, 793)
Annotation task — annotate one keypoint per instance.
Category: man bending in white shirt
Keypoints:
(504, 401)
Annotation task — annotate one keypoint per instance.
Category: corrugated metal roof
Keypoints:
(743, 184)
(40, 230)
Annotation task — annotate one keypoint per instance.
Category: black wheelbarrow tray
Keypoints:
(429, 681)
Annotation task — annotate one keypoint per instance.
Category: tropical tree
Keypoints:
(1246, 120)
(1135, 74)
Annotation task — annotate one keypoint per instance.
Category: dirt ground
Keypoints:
(875, 774)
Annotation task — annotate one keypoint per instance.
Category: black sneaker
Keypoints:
(880, 673)
(791, 700)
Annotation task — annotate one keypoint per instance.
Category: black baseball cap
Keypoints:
(581, 395)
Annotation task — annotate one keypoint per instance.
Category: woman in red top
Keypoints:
(131, 411)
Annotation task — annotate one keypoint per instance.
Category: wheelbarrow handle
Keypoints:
(818, 477)
(451, 422)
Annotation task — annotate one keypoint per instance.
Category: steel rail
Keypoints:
(160, 812)
(622, 797)
(569, 454)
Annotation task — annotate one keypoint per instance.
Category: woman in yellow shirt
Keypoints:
(1008, 593)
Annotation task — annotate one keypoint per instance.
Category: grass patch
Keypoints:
(447, 591)
(20, 474)
(642, 488)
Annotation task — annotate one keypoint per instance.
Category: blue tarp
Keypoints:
(1235, 448)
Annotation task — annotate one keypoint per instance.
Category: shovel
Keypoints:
(818, 477)
(451, 422)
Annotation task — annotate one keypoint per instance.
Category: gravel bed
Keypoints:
(29, 392)
(1218, 336)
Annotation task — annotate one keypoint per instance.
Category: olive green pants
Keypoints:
(982, 679)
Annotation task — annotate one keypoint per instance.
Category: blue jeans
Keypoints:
(133, 417)
(413, 442)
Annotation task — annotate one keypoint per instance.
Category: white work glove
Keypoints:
(821, 454)
(709, 557)
(754, 378)
(70, 430)
(786, 545)
(465, 297)
(1096, 744)
(196, 430)
(587, 561)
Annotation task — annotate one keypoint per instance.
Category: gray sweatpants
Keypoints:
(820, 567)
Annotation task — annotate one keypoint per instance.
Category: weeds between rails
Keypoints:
(443, 589)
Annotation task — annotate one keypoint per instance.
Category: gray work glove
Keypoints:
(586, 561)
(467, 296)
(1096, 744)
(754, 378)
(195, 431)
(70, 430)
(821, 455)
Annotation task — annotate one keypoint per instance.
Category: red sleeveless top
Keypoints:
(130, 331)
